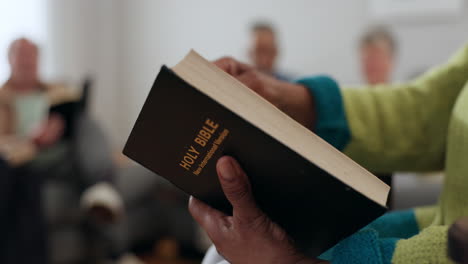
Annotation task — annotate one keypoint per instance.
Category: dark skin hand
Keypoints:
(293, 99)
(248, 236)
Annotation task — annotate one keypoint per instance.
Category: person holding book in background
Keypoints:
(24, 102)
(26, 128)
(37, 158)
(377, 50)
(264, 49)
(420, 125)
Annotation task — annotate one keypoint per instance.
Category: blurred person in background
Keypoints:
(377, 50)
(43, 144)
(25, 128)
(61, 185)
(92, 207)
(25, 100)
(264, 49)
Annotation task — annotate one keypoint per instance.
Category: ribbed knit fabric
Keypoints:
(429, 246)
(331, 124)
(376, 242)
(404, 127)
(399, 224)
(422, 125)
(418, 126)
(364, 247)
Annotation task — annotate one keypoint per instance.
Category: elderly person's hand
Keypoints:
(293, 99)
(50, 132)
(248, 236)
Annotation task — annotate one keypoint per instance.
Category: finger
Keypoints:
(232, 66)
(226, 64)
(248, 79)
(251, 79)
(210, 219)
(38, 140)
(236, 187)
(53, 133)
(58, 129)
(242, 67)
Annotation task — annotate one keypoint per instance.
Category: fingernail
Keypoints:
(193, 202)
(228, 170)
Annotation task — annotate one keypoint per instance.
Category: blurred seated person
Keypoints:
(26, 126)
(43, 135)
(378, 50)
(263, 50)
(74, 173)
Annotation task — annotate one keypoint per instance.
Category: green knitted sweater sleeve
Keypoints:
(404, 126)
(429, 246)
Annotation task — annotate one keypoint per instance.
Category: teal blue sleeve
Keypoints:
(376, 242)
(364, 247)
(401, 224)
(331, 124)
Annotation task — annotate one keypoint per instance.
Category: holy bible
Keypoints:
(195, 113)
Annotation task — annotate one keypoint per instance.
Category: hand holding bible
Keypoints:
(248, 236)
(196, 113)
(293, 99)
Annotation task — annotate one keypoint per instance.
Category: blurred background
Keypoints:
(122, 44)
(114, 49)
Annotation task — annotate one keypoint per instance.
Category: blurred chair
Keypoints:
(85, 159)
(154, 209)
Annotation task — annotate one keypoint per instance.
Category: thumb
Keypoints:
(236, 187)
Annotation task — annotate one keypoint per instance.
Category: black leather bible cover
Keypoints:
(180, 134)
